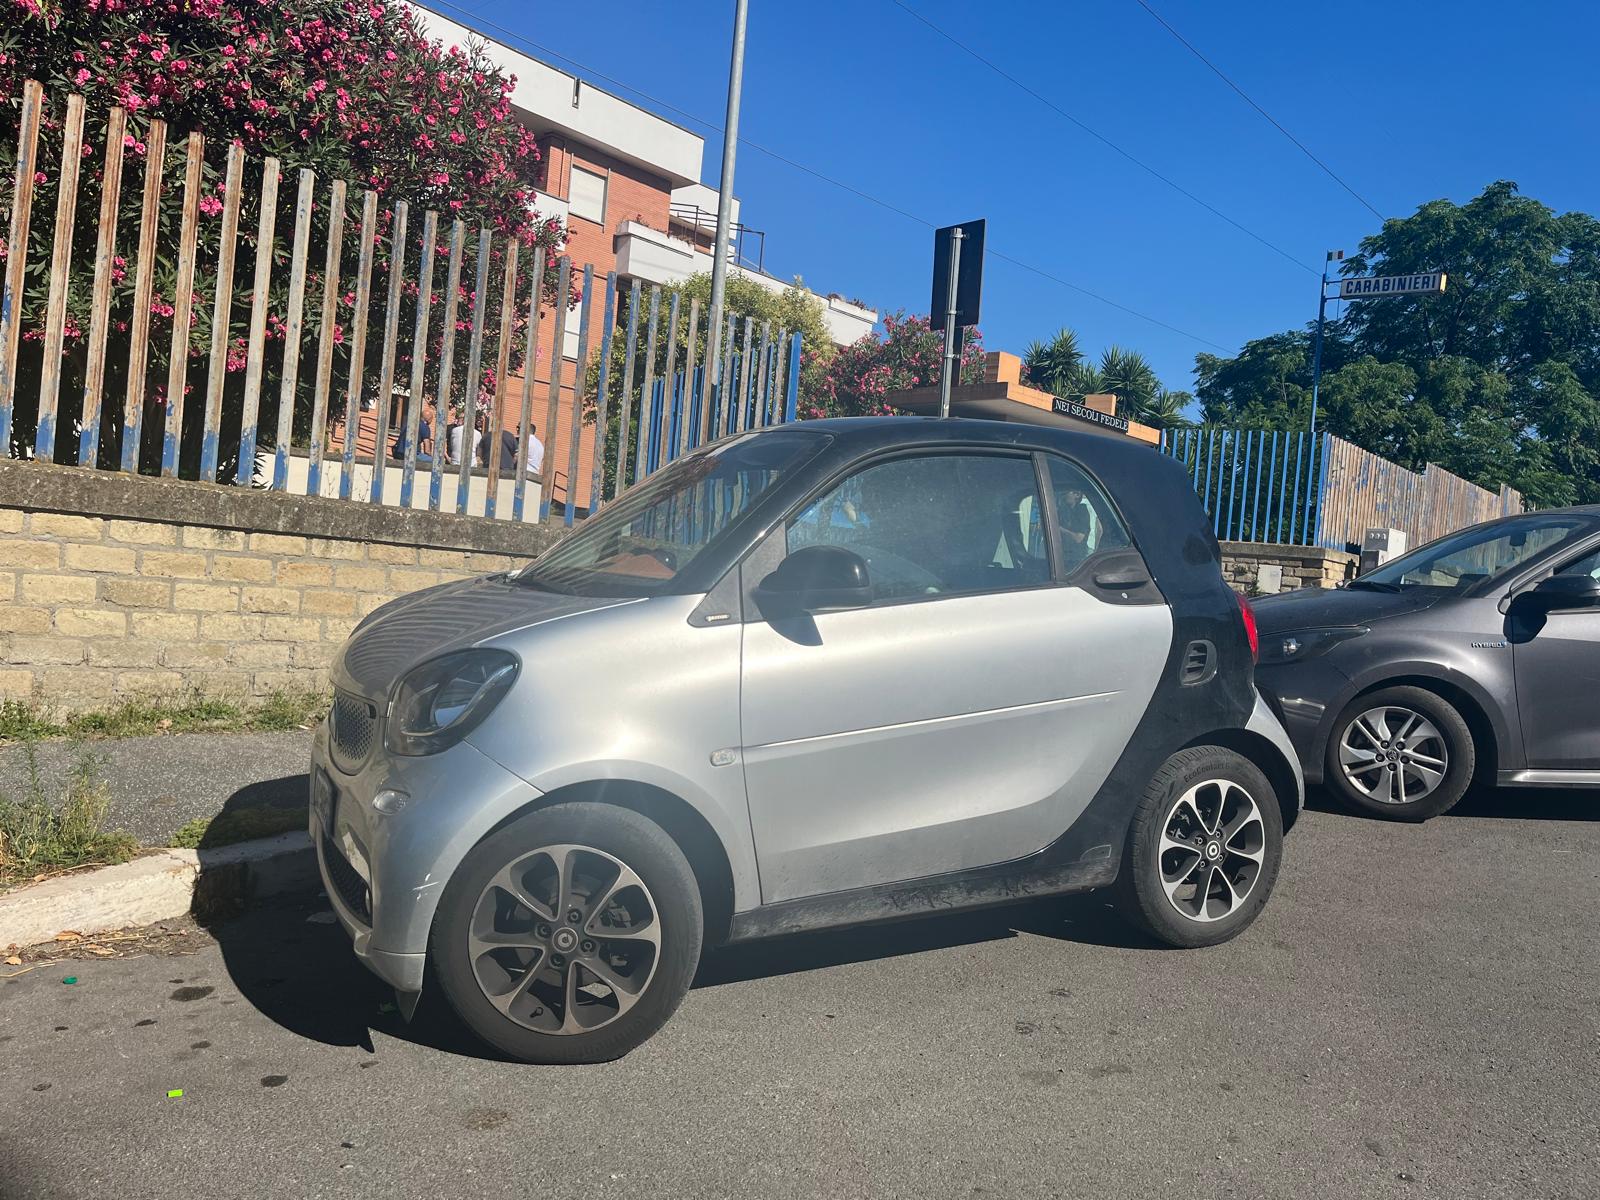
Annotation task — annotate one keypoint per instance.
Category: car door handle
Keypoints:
(1122, 577)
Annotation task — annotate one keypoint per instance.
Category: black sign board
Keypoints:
(969, 279)
(1071, 408)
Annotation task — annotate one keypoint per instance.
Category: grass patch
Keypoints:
(241, 825)
(22, 721)
(41, 833)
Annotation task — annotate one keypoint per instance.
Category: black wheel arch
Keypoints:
(1260, 751)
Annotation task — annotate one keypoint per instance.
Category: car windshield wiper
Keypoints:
(532, 579)
(1375, 585)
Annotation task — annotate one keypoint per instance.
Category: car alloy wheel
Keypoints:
(565, 939)
(1212, 847)
(1394, 755)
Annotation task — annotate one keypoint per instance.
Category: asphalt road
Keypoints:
(1415, 1015)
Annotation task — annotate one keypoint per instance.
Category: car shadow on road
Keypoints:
(294, 964)
(1517, 804)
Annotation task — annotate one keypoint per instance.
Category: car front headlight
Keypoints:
(1301, 644)
(438, 703)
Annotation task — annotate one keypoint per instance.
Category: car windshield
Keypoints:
(640, 544)
(1461, 560)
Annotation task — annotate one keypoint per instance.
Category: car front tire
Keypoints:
(1401, 753)
(569, 936)
(1203, 851)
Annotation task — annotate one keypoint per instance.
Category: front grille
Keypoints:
(347, 881)
(353, 732)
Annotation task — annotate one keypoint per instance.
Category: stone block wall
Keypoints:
(1264, 568)
(114, 587)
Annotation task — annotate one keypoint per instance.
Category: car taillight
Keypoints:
(1249, 617)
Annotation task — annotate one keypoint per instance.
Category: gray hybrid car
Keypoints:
(1476, 656)
(806, 677)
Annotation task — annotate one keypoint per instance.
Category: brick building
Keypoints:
(627, 184)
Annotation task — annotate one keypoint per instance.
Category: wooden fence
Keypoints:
(1264, 485)
(314, 406)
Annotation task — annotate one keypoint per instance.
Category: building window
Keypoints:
(586, 196)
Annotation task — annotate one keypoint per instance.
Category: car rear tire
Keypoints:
(569, 936)
(1203, 850)
(1401, 753)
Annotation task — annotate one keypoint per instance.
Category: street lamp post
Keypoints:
(730, 145)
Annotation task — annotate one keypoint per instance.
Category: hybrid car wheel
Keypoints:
(571, 935)
(1203, 850)
(1401, 753)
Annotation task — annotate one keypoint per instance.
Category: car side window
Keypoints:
(1589, 565)
(935, 525)
(1086, 523)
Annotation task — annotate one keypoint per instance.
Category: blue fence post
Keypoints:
(1320, 451)
(791, 383)
(1233, 477)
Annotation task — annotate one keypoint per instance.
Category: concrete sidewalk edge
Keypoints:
(158, 887)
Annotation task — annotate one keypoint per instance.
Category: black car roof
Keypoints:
(862, 434)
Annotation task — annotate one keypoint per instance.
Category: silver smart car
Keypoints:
(808, 677)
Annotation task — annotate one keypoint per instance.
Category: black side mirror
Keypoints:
(1564, 593)
(815, 579)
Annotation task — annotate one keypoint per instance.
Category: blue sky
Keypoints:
(1407, 101)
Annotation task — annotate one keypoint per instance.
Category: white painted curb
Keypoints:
(156, 887)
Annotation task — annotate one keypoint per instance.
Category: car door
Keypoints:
(968, 713)
(1558, 677)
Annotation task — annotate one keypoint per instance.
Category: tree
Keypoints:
(352, 90)
(910, 354)
(1497, 380)
(1059, 367)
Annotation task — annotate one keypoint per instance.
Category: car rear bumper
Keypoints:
(384, 874)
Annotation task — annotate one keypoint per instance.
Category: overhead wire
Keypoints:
(989, 251)
(1273, 121)
(1100, 137)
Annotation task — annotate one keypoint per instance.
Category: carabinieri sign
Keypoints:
(1430, 283)
(1071, 408)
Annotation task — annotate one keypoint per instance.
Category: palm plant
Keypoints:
(1129, 376)
(1165, 410)
(1050, 365)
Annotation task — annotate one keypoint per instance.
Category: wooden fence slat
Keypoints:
(502, 364)
(17, 253)
(687, 435)
(607, 329)
(294, 326)
(391, 338)
(579, 383)
(221, 315)
(260, 300)
(330, 320)
(144, 275)
(419, 359)
(55, 320)
(182, 307)
(529, 368)
(647, 395)
(669, 384)
(469, 398)
(447, 366)
(358, 344)
(94, 371)
(557, 357)
(626, 411)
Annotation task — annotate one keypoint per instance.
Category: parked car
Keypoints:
(807, 677)
(1476, 656)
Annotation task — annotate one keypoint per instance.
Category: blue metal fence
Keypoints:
(1257, 485)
